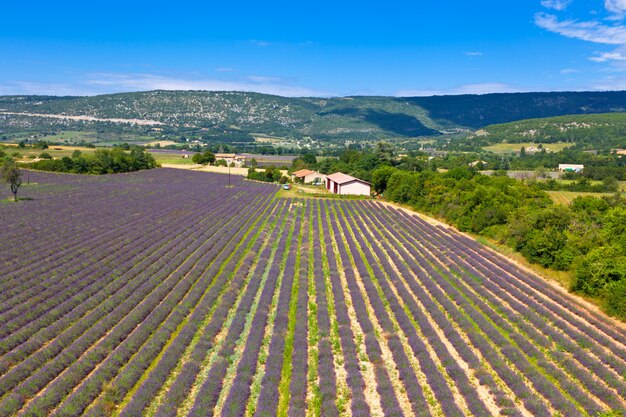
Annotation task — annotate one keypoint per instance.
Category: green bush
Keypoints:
(615, 299)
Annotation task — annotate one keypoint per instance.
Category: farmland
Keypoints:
(167, 293)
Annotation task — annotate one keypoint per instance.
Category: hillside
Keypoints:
(359, 118)
(589, 131)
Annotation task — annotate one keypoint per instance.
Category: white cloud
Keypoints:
(473, 53)
(105, 83)
(477, 88)
(616, 7)
(609, 84)
(261, 79)
(260, 43)
(591, 31)
(569, 71)
(144, 82)
(608, 56)
(39, 88)
(224, 69)
(556, 4)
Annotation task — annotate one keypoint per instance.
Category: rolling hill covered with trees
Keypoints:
(588, 131)
(330, 119)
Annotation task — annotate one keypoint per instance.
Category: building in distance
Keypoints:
(571, 167)
(230, 158)
(306, 176)
(340, 183)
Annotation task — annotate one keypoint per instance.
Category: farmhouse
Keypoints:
(307, 176)
(340, 183)
(571, 167)
(239, 160)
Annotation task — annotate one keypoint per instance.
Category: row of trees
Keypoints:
(270, 174)
(103, 161)
(588, 238)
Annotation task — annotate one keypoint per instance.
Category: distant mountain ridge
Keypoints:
(342, 118)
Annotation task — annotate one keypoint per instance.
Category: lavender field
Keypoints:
(166, 293)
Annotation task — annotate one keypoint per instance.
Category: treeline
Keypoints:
(588, 238)
(269, 174)
(103, 161)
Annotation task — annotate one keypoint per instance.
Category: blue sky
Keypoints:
(322, 48)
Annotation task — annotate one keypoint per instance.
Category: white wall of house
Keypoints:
(354, 188)
(312, 177)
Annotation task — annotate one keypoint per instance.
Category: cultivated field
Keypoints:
(165, 293)
(530, 147)
(566, 197)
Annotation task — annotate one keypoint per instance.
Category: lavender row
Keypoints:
(537, 314)
(298, 386)
(436, 380)
(211, 387)
(267, 402)
(63, 362)
(150, 318)
(84, 324)
(473, 331)
(522, 302)
(198, 305)
(326, 368)
(384, 386)
(182, 384)
(359, 405)
(434, 311)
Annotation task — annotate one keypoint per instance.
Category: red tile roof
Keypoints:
(303, 173)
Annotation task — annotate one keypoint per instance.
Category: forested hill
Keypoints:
(320, 118)
(604, 131)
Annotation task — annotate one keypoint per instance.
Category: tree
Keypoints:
(207, 157)
(12, 175)
(381, 176)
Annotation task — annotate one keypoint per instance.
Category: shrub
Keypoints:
(615, 301)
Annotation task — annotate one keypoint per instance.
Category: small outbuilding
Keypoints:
(340, 183)
(571, 167)
(231, 158)
(307, 176)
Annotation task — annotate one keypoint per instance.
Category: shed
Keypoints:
(571, 167)
(340, 183)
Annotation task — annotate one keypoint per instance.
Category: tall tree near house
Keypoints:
(12, 175)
